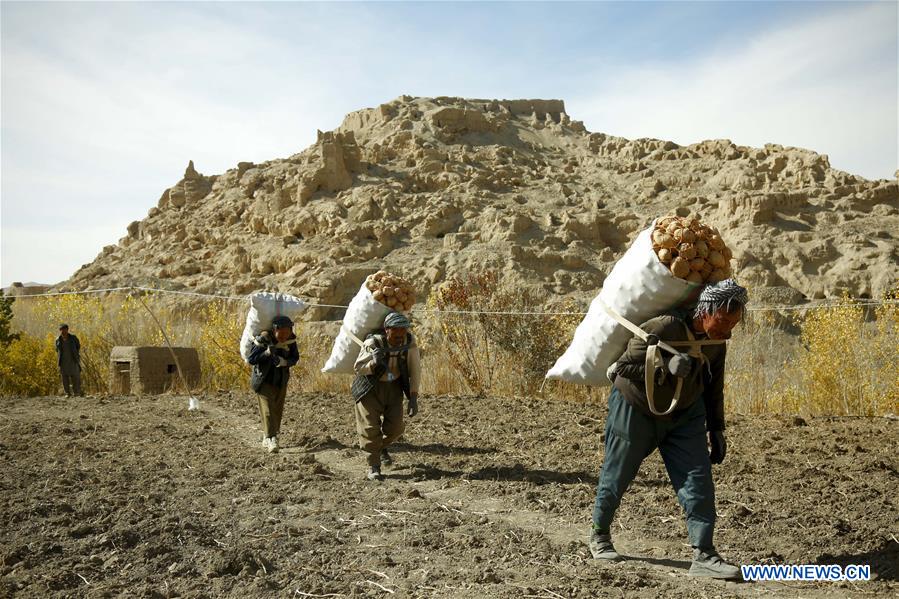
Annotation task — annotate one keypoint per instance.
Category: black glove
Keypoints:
(652, 339)
(680, 365)
(378, 362)
(413, 406)
(719, 446)
(264, 340)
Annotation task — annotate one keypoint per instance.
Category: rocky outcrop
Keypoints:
(433, 187)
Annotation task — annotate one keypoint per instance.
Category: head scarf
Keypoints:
(726, 295)
(395, 320)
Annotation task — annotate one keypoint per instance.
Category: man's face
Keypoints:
(64, 332)
(395, 336)
(719, 325)
(282, 334)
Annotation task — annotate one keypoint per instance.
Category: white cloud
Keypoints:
(103, 105)
(829, 84)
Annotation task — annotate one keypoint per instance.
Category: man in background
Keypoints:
(68, 357)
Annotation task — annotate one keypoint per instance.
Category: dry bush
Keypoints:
(220, 330)
(501, 347)
(755, 359)
(844, 361)
(845, 364)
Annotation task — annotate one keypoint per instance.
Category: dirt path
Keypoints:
(488, 498)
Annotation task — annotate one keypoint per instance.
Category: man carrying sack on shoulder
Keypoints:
(673, 402)
(388, 367)
(274, 353)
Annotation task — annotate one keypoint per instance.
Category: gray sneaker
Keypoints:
(374, 473)
(707, 563)
(601, 546)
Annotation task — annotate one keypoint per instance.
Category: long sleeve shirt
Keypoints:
(631, 368)
(365, 361)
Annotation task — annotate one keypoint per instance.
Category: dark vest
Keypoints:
(363, 383)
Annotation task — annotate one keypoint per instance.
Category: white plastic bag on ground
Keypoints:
(363, 315)
(264, 306)
(639, 288)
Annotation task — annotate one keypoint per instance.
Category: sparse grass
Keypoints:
(844, 360)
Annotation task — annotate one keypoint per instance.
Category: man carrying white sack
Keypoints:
(632, 431)
(388, 367)
(274, 353)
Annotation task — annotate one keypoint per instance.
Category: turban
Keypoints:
(725, 295)
(395, 320)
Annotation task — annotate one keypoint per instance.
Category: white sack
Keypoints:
(363, 315)
(639, 288)
(264, 306)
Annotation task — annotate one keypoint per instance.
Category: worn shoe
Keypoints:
(385, 457)
(601, 546)
(707, 563)
(273, 444)
(374, 473)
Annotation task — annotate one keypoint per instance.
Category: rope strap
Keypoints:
(654, 359)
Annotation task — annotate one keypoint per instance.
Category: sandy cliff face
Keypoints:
(434, 187)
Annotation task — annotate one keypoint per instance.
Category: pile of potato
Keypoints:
(391, 290)
(691, 250)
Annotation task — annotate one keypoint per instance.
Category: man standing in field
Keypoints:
(68, 357)
(274, 353)
(388, 367)
(633, 431)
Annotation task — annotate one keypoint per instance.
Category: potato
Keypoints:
(388, 291)
(684, 236)
(725, 251)
(379, 296)
(695, 277)
(697, 264)
(716, 243)
(391, 302)
(706, 270)
(686, 251)
(717, 259)
(716, 275)
(665, 256)
(680, 268)
(702, 249)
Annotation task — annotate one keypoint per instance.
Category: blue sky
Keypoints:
(104, 104)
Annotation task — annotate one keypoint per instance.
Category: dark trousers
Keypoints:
(271, 408)
(631, 436)
(71, 383)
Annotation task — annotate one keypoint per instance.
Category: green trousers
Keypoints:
(379, 419)
(631, 436)
(271, 408)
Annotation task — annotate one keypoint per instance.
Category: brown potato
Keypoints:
(697, 264)
(716, 243)
(717, 275)
(695, 277)
(687, 251)
(702, 249)
(725, 251)
(680, 268)
(717, 259)
(388, 291)
(706, 270)
(665, 256)
(378, 295)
